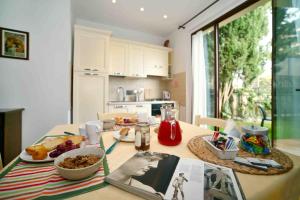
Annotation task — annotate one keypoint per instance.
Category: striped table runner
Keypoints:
(32, 181)
(24, 180)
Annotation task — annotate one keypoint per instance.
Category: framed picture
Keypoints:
(14, 44)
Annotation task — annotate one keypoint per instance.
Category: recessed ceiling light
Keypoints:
(114, 1)
(165, 16)
(142, 9)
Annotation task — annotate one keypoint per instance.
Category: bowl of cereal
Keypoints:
(79, 163)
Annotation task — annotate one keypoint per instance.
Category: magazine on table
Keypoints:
(154, 175)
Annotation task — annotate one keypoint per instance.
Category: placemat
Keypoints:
(198, 147)
(25, 180)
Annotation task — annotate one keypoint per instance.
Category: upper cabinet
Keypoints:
(118, 58)
(155, 61)
(91, 49)
(136, 61)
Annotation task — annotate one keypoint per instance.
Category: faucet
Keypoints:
(119, 89)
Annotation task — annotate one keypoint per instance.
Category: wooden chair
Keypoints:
(220, 123)
(103, 116)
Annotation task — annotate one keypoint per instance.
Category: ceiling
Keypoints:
(127, 14)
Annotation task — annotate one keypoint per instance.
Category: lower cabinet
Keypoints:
(90, 95)
(132, 108)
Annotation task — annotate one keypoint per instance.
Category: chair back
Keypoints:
(103, 116)
(209, 121)
(262, 111)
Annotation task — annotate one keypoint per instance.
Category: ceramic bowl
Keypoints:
(108, 124)
(76, 174)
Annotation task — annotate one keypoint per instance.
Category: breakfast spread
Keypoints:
(79, 161)
(125, 121)
(55, 146)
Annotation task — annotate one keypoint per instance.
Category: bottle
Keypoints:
(142, 136)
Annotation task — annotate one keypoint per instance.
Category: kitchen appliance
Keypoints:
(130, 95)
(140, 95)
(169, 132)
(121, 94)
(155, 108)
(166, 95)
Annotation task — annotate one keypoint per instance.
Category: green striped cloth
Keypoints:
(41, 181)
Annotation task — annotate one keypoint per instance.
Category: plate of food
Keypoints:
(124, 121)
(128, 135)
(50, 148)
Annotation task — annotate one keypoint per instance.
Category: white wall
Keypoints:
(124, 33)
(180, 41)
(42, 84)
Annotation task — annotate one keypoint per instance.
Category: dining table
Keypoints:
(255, 187)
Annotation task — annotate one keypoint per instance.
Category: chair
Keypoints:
(220, 123)
(103, 116)
(264, 115)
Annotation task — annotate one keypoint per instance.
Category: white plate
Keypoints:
(28, 158)
(129, 138)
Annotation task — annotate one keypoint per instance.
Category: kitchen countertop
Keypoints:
(138, 102)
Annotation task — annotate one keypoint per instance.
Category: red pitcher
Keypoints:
(169, 132)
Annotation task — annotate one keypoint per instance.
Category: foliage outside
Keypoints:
(242, 58)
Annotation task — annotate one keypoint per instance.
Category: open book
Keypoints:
(163, 176)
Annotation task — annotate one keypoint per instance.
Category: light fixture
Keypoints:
(165, 16)
(142, 9)
(114, 1)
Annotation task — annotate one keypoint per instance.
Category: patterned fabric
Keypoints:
(42, 181)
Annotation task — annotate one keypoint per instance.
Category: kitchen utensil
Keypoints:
(93, 129)
(121, 94)
(169, 132)
(166, 95)
(80, 173)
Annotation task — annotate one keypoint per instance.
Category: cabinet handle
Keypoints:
(118, 106)
(87, 69)
(88, 74)
(95, 70)
(139, 106)
(94, 74)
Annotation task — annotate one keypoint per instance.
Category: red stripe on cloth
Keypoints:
(27, 173)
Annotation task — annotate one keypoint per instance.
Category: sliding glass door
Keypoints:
(286, 74)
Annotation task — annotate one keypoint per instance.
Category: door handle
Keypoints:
(298, 90)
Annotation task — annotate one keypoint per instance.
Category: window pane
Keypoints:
(245, 66)
(287, 74)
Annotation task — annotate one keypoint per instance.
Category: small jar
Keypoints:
(142, 136)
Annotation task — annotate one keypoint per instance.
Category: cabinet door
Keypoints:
(90, 96)
(136, 61)
(155, 62)
(140, 108)
(118, 58)
(118, 109)
(90, 51)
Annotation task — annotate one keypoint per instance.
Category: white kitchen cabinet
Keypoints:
(155, 61)
(140, 108)
(136, 61)
(90, 95)
(118, 109)
(118, 58)
(90, 49)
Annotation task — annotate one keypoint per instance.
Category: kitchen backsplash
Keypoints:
(153, 86)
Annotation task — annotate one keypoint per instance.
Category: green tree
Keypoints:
(241, 54)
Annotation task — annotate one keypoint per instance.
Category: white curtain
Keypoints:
(199, 76)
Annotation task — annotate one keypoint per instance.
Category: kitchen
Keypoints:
(137, 75)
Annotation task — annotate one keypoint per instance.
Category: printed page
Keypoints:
(220, 183)
(187, 181)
